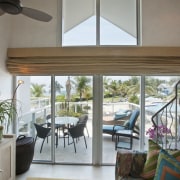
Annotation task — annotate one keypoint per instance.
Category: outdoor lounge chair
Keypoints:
(128, 125)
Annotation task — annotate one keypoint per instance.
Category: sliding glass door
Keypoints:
(73, 102)
(55, 104)
(60, 101)
(121, 98)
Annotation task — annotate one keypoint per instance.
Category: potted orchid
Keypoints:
(157, 133)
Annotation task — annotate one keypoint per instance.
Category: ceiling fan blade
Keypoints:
(36, 14)
(1, 12)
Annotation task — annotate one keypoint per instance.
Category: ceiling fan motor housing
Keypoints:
(11, 6)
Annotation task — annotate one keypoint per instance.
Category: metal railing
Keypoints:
(166, 122)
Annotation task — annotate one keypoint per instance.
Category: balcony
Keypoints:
(66, 154)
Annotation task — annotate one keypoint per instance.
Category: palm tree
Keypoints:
(58, 87)
(37, 90)
(81, 85)
(114, 88)
(88, 93)
(106, 83)
(123, 89)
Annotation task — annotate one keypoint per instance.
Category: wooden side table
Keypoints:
(123, 133)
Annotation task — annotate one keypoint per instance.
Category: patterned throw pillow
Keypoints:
(167, 167)
(151, 161)
(150, 166)
(139, 158)
(123, 164)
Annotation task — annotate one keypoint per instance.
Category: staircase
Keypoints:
(169, 117)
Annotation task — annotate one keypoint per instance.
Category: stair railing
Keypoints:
(167, 117)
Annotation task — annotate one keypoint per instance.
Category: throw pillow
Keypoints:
(139, 158)
(150, 165)
(151, 161)
(167, 167)
(123, 164)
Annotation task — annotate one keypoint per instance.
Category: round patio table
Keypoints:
(65, 120)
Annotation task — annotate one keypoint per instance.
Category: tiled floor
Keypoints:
(81, 172)
(70, 171)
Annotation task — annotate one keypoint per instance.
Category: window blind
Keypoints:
(94, 60)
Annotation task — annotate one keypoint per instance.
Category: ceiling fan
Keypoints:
(15, 7)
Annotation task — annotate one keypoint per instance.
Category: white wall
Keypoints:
(28, 32)
(160, 27)
(5, 77)
(160, 22)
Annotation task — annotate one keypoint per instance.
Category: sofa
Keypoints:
(153, 164)
(129, 164)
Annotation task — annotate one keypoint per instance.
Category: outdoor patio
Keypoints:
(67, 155)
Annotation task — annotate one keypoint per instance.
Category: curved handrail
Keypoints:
(162, 114)
(160, 110)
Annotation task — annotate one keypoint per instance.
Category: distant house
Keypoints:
(165, 89)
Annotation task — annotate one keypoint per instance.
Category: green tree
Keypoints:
(58, 87)
(106, 84)
(81, 84)
(114, 88)
(37, 90)
(134, 87)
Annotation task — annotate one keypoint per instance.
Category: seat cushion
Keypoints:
(112, 128)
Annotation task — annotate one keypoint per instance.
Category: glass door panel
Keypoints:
(34, 101)
(121, 98)
(160, 91)
(73, 102)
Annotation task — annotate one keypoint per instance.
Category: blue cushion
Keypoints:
(167, 167)
(133, 119)
(108, 127)
(112, 128)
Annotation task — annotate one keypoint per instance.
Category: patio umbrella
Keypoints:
(68, 91)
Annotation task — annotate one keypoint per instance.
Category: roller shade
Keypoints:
(94, 60)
